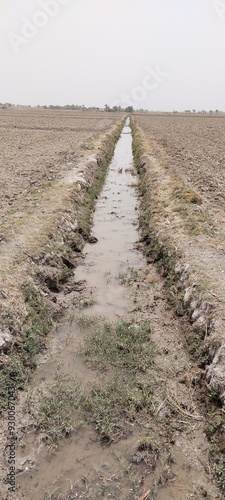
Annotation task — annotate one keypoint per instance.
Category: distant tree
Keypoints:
(217, 111)
(129, 109)
(193, 110)
(107, 107)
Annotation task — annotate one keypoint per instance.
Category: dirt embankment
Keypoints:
(184, 237)
(41, 241)
(184, 224)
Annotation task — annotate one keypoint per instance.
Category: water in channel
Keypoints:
(115, 227)
(103, 269)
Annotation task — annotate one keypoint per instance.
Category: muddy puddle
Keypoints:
(173, 464)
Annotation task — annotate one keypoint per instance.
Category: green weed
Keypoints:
(60, 409)
(123, 345)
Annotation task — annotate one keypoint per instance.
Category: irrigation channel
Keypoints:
(129, 427)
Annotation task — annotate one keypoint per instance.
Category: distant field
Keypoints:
(36, 146)
(194, 147)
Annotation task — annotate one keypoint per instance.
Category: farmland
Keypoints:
(194, 149)
(111, 302)
(187, 169)
(37, 147)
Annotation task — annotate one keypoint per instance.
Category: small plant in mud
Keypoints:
(147, 452)
(108, 276)
(13, 370)
(122, 277)
(114, 407)
(39, 322)
(127, 277)
(128, 350)
(123, 345)
(86, 322)
(195, 348)
(60, 409)
(210, 428)
(39, 316)
(149, 443)
(219, 469)
(19, 364)
(215, 397)
(64, 274)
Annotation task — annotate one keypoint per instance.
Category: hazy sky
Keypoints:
(154, 54)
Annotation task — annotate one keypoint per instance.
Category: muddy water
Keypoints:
(115, 222)
(105, 264)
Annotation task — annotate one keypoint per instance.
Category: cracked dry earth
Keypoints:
(144, 443)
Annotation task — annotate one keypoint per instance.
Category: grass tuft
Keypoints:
(123, 345)
(19, 364)
(59, 411)
(114, 407)
(182, 193)
(126, 351)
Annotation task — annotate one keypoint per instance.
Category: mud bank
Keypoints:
(178, 239)
(113, 407)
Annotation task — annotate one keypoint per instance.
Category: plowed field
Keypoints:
(37, 146)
